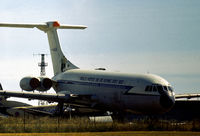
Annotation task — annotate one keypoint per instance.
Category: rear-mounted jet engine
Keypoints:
(31, 83)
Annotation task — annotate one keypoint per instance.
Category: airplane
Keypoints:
(8, 107)
(96, 89)
(19, 109)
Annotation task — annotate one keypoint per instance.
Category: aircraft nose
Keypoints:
(166, 101)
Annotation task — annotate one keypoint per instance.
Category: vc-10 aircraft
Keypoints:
(96, 89)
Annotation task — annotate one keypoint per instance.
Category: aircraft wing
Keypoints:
(40, 96)
(84, 104)
(188, 96)
(34, 111)
(49, 110)
(87, 100)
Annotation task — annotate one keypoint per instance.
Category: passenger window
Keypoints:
(121, 81)
(114, 81)
(91, 79)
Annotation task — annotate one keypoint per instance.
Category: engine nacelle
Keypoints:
(45, 84)
(29, 83)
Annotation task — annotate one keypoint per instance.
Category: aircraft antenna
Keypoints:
(42, 66)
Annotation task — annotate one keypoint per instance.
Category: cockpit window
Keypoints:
(148, 88)
(151, 88)
(155, 89)
(158, 88)
(170, 88)
(165, 88)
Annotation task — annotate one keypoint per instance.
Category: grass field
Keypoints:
(36, 126)
(128, 133)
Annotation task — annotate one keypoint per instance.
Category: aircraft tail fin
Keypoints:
(60, 63)
(2, 98)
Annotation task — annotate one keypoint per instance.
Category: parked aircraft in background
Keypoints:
(94, 89)
(6, 106)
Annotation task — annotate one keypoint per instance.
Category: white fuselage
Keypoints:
(139, 93)
(115, 90)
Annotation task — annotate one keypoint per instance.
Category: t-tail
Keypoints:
(60, 63)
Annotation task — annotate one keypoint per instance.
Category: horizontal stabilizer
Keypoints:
(42, 26)
(22, 25)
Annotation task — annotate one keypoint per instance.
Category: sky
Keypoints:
(148, 36)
